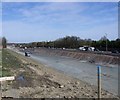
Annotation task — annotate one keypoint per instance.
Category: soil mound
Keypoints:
(89, 57)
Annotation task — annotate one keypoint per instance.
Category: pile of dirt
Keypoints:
(89, 57)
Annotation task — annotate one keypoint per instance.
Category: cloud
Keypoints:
(52, 10)
(66, 12)
(24, 22)
(59, 0)
(53, 13)
(0, 19)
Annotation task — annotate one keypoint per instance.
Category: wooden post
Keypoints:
(7, 78)
(99, 82)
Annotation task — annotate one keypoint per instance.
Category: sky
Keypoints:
(60, 0)
(45, 21)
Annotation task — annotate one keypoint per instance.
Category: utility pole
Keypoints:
(106, 41)
(53, 44)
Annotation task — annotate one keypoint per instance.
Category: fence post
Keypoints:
(99, 82)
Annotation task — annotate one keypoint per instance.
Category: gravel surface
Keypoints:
(34, 80)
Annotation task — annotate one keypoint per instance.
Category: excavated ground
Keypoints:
(106, 60)
(34, 80)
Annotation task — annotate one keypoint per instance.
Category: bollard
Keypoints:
(99, 82)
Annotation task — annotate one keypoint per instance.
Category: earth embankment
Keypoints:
(86, 56)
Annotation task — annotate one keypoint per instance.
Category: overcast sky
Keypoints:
(45, 21)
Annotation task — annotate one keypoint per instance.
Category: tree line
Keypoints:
(74, 42)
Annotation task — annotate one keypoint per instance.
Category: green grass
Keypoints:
(9, 63)
(0, 62)
(0, 57)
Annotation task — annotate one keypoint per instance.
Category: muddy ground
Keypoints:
(35, 80)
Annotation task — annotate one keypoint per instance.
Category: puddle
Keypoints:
(21, 78)
(22, 81)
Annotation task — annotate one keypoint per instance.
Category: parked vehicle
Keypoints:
(91, 48)
(86, 48)
(82, 48)
(115, 51)
(27, 54)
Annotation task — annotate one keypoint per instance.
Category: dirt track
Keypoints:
(34, 80)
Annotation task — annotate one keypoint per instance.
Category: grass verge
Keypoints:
(9, 63)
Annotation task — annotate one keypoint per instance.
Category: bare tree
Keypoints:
(4, 42)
